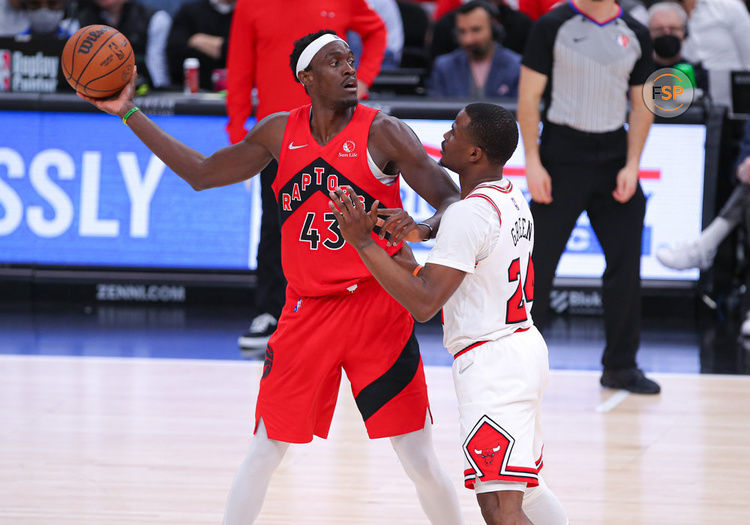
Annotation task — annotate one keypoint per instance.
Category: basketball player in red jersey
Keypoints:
(331, 142)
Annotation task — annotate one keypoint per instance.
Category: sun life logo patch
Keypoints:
(348, 148)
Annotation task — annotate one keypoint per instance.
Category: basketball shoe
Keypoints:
(630, 379)
(686, 256)
(257, 336)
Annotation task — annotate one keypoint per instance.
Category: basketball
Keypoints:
(97, 61)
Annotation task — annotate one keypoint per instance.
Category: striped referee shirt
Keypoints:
(589, 66)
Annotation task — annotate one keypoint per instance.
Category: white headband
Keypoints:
(312, 49)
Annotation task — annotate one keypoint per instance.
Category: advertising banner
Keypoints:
(80, 189)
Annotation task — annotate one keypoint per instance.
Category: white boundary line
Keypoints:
(614, 400)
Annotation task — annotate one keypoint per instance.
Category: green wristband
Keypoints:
(127, 115)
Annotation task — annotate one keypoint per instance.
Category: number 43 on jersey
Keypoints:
(333, 241)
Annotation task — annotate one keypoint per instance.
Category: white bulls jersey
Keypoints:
(489, 235)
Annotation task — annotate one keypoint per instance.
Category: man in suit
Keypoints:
(480, 68)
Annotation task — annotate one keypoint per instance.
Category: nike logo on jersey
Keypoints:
(576, 40)
(292, 146)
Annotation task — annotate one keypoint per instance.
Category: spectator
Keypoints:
(146, 29)
(700, 252)
(516, 16)
(719, 34)
(515, 24)
(13, 18)
(394, 26)
(200, 29)
(584, 58)
(482, 67)
(667, 23)
(261, 36)
(45, 18)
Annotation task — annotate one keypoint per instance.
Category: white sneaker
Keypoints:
(686, 256)
(259, 333)
(745, 328)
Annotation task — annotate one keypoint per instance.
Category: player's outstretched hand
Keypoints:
(400, 226)
(355, 224)
(118, 104)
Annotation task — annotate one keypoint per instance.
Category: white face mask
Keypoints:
(222, 7)
(44, 20)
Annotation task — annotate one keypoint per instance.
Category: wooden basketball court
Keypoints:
(134, 441)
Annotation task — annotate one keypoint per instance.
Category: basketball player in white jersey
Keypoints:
(480, 274)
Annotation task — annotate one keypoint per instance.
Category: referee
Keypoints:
(584, 58)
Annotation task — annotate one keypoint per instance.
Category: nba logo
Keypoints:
(623, 40)
(4, 70)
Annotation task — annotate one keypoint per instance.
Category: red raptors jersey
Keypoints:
(315, 257)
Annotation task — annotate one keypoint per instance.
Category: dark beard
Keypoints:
(346, 104)
(478, 53)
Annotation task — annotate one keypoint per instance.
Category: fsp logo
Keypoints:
(668, 92)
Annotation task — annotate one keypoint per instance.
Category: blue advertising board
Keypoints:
(81, 189)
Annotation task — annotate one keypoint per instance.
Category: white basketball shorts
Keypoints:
(499, 386)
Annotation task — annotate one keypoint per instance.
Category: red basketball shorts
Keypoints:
(367, 334)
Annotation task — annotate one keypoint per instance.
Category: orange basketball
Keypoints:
(97, 61)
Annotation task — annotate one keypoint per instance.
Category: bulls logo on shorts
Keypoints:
(487, 448)
(268, 362)
(488, 451)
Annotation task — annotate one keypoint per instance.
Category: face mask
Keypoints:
(667, 46)
(222, 7)
(44, 20)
